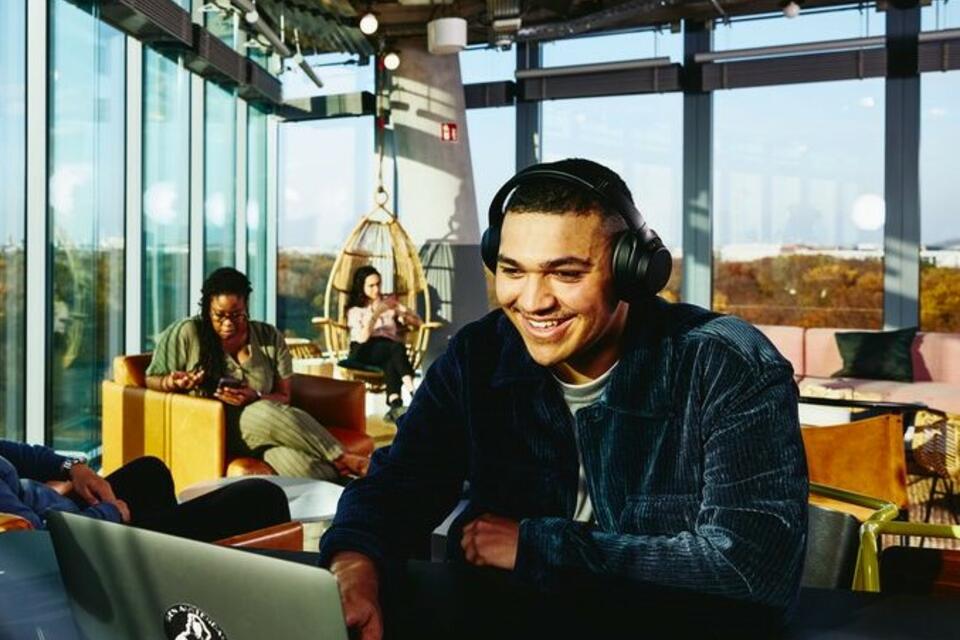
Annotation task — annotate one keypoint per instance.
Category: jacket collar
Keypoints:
(515, 365)
(650, 325)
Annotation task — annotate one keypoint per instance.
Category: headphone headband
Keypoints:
(610, 197)
(641, 264)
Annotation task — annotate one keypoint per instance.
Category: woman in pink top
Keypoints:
(374, 334)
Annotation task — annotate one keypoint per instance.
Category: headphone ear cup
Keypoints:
(490, 247)
(625, 278)
(641, 265)
(659, 268)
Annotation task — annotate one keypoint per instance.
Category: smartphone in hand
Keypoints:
(229, 383)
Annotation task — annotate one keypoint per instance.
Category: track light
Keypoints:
(298, 56)
(791, 9)
(391, 61)
(369, 23)
(252, 16)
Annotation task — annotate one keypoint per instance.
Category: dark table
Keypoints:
(450, 601)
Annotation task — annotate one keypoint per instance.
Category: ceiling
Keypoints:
(331, 25)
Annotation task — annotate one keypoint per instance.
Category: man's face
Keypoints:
(554, 282)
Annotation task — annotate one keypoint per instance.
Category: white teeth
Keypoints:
(543, 325)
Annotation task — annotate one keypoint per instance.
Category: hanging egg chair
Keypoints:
(378, 240)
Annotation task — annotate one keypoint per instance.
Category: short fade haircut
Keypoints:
(554, 196)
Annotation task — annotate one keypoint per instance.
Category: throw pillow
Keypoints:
(883, 355)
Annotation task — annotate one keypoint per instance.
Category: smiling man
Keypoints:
(605, 433)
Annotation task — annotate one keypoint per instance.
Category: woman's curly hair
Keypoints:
(223, 281)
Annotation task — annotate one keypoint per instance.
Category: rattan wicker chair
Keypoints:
(380, 241)
(936, 455)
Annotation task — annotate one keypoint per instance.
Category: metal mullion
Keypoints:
(240, 219)
(528, 114)
(197, 173)
(901, 233)
(133, 244)
(37, 236)
(271, 217)
(697, 232)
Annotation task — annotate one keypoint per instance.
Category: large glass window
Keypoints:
(639, 138)
(166, 194)
(798, 204)
(322, 197)
(491, 134)
(223, 24)
(636, 45)
(257, 210)
(339, 72)
(220, 178)
(939, 195)
(86, 168)
(487, 65)
(811, 25)
(940, 14)
(12, 216)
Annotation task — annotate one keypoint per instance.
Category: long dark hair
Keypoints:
(223, 281)
(357, 297)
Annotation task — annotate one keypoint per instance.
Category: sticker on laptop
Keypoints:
(186, 622)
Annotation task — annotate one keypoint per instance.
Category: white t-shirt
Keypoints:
(578, 396)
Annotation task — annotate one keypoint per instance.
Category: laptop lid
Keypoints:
(124, 582)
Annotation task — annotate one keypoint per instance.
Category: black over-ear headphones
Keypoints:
(641, 264)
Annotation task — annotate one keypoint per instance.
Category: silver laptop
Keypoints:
(124, 582)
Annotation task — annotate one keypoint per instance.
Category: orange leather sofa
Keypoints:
(189, 433)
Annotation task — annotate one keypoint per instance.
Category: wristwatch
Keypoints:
(68, 465)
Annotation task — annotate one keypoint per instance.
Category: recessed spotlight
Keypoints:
(391, 61)
(369, 23)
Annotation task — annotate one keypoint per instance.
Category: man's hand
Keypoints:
(238, 397)
(491, 541)
(90, 486)
(360, 593)
(122, 508)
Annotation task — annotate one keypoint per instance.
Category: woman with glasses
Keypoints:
(245, 364)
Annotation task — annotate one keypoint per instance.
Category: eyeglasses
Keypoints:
(233, 316)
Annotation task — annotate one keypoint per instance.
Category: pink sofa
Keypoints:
(814, 355)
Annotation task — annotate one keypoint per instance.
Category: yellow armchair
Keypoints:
(189, 433)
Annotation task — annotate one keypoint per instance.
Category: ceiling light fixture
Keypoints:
(369, 23)
(446, 35)
(252, 16)
(391, 61)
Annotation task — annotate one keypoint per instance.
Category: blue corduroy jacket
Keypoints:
(23, 469)
(693, 459)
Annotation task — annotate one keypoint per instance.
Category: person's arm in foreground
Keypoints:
(748, 540)
(39, 463)
(411, 486)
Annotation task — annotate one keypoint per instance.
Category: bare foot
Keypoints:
(352, 464)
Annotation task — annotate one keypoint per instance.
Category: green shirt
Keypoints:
(178, 349)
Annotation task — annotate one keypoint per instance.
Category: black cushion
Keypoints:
(883, 355)
(350, 363)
